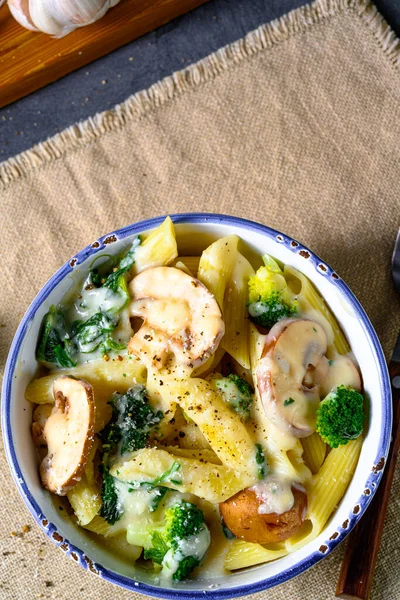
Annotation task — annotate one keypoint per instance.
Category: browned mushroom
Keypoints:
(69, 434)
(244, 517)
(285, 375)
(180, 315)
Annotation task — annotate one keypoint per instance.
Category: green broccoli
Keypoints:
(178, 543)
(128, 430)
(269, 298)
(340, 416)
(238, 393)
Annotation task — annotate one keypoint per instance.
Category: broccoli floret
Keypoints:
(128, 430)
(179, 542)
(237, 392)
(269, 298)
(185, 567)
(340, 417)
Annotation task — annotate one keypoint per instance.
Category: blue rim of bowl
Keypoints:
(338, 533)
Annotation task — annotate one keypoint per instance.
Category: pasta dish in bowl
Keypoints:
(201, 394)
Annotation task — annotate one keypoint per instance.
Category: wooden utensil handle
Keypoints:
(358, 566)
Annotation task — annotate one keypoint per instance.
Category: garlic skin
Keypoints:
(20, 11)
(58, 17)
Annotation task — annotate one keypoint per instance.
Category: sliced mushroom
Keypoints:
(180, 317)
(243, 515)
(340, 370)
(69, 434)
(40, 415)
(285, 375)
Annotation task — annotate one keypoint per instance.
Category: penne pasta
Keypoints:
(314, 451)
(209, 481)
(191, 263)
(216, 264)
(157, 249)
(236, 338)
(243, 554)
(180, 265)
(85, 495)
(325, 491)
(99, 525)
(106, 377)
(110, 376)
(85, 500)
(200, 454)
(224, 430)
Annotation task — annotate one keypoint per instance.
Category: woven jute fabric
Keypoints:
(296, 126)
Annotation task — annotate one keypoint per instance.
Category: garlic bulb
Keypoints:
(58, 17)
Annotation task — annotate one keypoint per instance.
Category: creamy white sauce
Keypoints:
(274, 494)
(195, 545)
(315, 315)
(339, 370)
(94, 300)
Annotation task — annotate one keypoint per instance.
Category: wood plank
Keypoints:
(29, 60)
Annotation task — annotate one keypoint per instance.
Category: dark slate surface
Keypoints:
(134, 67)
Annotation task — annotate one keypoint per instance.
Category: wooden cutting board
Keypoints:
(29, 60)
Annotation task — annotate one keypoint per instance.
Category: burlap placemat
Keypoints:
(296, 126)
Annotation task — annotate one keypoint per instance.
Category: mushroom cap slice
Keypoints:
(180, 316)
(241, 515)
(39, 418)
(69, 434)
(290, 395)
(341, 370)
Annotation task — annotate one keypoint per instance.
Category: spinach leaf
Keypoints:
(54, 344)
(88, 335)
(113, 280)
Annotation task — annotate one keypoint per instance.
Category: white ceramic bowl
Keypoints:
(194, 232)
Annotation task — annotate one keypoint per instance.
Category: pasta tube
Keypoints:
(314, 451)
(223, 429)
(105, 377)
(216, 264)
(242, 554)
(212, 482)
(236, 338)
(84, 497)
(190, 262)
(326, 490)
(158, 249)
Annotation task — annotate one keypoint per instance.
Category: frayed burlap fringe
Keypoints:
(144, 102)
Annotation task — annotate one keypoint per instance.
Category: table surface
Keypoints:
(111, 79)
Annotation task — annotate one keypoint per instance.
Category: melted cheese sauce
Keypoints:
(274, 494)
